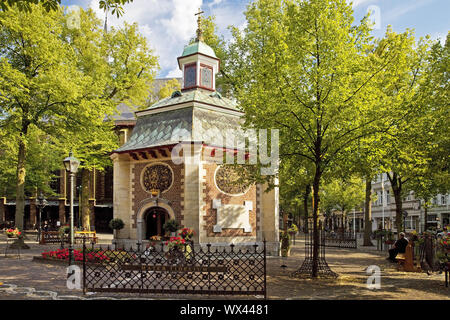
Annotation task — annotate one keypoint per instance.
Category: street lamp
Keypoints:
(71, 164)
(41, 204)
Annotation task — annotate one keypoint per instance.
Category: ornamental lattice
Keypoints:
(158, 177)
(227, 181)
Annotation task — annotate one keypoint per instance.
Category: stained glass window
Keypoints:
(206, 77)
(189, 76)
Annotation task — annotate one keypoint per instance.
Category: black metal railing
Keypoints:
(340, 240)
(184, 270)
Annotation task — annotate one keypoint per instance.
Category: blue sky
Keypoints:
(169, 24)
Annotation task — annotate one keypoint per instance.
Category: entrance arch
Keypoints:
(155, 217)
(145, 207)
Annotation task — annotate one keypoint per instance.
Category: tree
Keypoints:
(56, 78)
(308, 70)
(342, 195)
(130, 68)
(406, 149)
(436, 177)
(168, 88)
(48, 5)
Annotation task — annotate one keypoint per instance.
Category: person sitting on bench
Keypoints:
(399, 247)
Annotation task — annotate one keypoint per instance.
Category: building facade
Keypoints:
(383, 209)
(171, 167)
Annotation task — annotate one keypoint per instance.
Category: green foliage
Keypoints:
(293, 229)
(60, 86)
(48, 5)
(342, 195)
(116, 224)
(170, 87)
(171, 225)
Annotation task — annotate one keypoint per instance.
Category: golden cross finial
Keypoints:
(199, 22)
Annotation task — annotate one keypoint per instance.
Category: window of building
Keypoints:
(190, 75)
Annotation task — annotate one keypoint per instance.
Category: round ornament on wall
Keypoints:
(157, 176)
(227, 181)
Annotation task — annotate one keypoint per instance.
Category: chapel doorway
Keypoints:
(155, 218)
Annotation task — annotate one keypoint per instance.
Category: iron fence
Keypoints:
(186, 270)
(340, 240)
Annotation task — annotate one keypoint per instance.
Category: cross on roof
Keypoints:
(199, 22)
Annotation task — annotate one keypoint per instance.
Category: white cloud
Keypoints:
(357, 3)
(168, 25)
(214, 3)
(227, 15)
(403, 9)
(175, 73)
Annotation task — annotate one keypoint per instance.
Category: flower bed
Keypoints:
(63, 254)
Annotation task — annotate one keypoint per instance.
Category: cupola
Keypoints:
(199, 63)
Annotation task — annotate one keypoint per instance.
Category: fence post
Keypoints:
(265, 271)
(84, 266)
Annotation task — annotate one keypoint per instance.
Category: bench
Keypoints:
(88, 235)
(51, 237)
(406, 260)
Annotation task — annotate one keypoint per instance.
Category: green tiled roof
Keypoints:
(198, 47)
(160, 129)
(213, 98)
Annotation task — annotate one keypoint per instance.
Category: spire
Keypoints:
(199, 22)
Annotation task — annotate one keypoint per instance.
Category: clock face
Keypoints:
(189, 76)
(206, 77)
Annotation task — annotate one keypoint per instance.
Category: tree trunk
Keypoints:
(316, 200)
(305, 206)
(20, 175)
(396, 185)
(425, 217)
(368, 213)
(85, 195)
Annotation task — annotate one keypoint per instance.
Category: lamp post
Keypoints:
(41, 204)
(71, 164)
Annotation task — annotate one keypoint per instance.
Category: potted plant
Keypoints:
(285, 240)
(178, 251)
(64, 231)
(117, 225)
(293, 230)
(171, 226)
(13, 233)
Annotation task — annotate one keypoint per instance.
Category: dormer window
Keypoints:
(206, 76)
(190, 75)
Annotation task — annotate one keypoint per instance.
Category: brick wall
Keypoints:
(173, 194)
(211, 192)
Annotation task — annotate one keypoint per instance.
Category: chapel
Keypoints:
(171, 167)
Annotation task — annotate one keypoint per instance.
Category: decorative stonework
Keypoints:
(157, 176)
(227, 181)
(232, 216)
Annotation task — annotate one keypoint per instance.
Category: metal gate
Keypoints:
(186, 270)
(341, 240)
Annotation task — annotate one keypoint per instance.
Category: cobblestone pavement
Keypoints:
(25, 279)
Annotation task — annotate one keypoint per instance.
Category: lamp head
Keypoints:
(71, 163)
